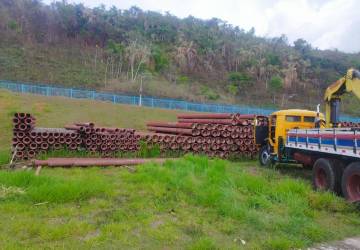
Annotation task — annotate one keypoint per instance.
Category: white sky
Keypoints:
(326, 24)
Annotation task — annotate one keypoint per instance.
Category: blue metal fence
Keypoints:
(47, 90)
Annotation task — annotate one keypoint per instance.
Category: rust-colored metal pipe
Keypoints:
(44, 146)
(85, 124)
(20, 115)
(225, 134)
(240, 116)
(31, 153)
(72, 127)
(26, 140)
(68, 141)
(19, 154)
(22, 127)
(16, 121)
(179, 131)
(51, 140)
(207, 121)
(205, 133)
(38, 140)
(169, 124)
(20, 146)
(44, 135)
(205, 116)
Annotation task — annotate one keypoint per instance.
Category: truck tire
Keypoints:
(324, 176)
(264, 156)
(351, 182)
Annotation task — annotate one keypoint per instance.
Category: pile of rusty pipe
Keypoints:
(349, 125)
(212, 134)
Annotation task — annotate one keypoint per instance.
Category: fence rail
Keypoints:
(47, 90)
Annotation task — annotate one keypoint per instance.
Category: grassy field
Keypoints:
(190, 203)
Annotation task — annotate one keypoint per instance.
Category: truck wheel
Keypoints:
(351, 182)
(324, 176)
(264, 156)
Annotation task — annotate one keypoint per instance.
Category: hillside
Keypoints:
(190, 58)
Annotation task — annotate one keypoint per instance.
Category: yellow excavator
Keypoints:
(347, 84)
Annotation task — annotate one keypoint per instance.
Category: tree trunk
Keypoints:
(106, 70)
(137, 70)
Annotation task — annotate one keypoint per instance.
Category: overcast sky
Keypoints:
(326, 24)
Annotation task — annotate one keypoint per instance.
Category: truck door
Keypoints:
(272, 130)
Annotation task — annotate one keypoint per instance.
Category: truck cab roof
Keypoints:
(299, 112)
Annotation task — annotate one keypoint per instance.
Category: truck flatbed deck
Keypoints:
(336, 141)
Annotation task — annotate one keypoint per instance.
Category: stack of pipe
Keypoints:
(106, 140)
(349, 125)
(23, 122)
(212, 134)
(219, 135)
(27, 144)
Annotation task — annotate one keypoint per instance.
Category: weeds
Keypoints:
(192, 203)
(52, 189)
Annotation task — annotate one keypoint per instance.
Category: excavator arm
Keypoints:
(349, 83)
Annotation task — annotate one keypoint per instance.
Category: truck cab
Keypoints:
(279, 123)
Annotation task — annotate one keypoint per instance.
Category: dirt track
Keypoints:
(347, 244)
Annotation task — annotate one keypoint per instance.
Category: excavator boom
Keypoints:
(349, 83)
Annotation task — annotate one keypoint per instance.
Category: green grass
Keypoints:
(53, 189)
(190, 203)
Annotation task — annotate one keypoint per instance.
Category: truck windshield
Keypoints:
(309, 119)
(293, 118)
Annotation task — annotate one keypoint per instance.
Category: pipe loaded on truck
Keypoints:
(305, 137)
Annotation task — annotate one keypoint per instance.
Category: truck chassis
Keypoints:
(334, 155)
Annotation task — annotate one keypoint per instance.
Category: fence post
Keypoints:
(113, 98)
(47, 91)
(71, 93)
(22, 88)
(152, 102)
(93, 95)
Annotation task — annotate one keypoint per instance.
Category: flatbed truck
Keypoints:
(318, 142)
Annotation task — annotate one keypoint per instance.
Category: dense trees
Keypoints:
(129, 42)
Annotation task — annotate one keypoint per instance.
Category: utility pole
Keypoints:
(140, 91)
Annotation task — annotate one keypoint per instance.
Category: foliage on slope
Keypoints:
(114, 49)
